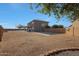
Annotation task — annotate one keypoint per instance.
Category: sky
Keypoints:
(20, 13)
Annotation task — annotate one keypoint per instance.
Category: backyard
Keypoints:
(32, 43)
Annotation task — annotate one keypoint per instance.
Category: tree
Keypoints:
(59, 9)
(19, 26)
(55, 26)
(61, 26)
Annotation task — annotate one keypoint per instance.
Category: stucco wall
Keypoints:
(74, 28)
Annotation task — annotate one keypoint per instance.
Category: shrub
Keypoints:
(57, 26)
(61, 26)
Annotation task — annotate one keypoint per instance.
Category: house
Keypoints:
(42, 26)
(37, 25)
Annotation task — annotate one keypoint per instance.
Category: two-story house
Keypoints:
(37, 25)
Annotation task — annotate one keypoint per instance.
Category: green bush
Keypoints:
(57, 26)
(61, 26)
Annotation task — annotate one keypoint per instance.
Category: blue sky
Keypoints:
(14, 14)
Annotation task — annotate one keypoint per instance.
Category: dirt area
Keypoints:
(22, 43)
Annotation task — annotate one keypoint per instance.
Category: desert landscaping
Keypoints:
(24, 43)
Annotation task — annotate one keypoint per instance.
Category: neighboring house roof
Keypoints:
(38, 21)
